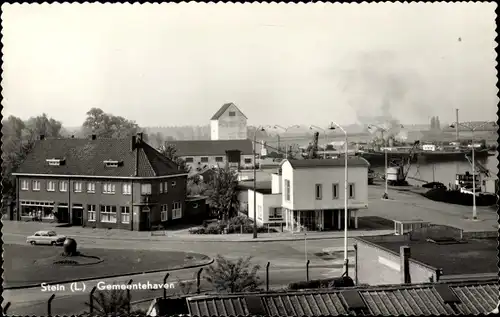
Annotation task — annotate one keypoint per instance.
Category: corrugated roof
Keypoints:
(311, 163)
(392, 300)
(223, 109)
(472, 257)
(86, 157)
(211, 147)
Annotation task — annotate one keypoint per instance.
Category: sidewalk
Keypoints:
(28, 228)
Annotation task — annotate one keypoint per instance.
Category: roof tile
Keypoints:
(86, 157)
(390, 300)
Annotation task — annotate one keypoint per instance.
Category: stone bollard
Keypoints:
(70, 247)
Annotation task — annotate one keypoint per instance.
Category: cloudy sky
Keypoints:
(283, 64)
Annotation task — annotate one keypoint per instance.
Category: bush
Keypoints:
(233, 225)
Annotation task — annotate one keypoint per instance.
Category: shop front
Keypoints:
(32, 210)
(318, 220)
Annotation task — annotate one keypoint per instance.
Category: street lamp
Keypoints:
(472, 129)
(260, 128)
(326, 136)
(346, 181)
(277, 126)
(383, 130)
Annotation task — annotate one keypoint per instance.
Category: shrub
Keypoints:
(233, 225)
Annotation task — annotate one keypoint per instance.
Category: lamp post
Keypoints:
(472, 129)
(326, 136)
(277, 126)
(346, 182)
(260, 128)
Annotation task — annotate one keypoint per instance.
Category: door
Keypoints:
(63, 214)
(335, 215)
(328, 219)
(77, 216)
(145, 219)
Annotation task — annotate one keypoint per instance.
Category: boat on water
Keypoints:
(377, 158)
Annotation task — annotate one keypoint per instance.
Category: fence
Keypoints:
(92, 303)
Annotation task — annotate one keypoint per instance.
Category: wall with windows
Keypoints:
(323, 188)
(231, 125)
(266, 205)
(215, 160)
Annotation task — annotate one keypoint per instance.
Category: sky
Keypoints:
(176, 64)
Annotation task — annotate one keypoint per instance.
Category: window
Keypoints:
(189, 160)
(63, 186)
(174, 183)
(287, 190)
(259, 212)
(164, 212)
(176, 210)
(78, 187)
(219, 159)
(318, 191)
(351, 191)
(51, 186)
(275, 214)
(145, 189)
(161, 188)
(335, 191)
(91, 212)
(90, 187)
(204, 159)
(232, 113)
(126, 189)
(108, 214)
(25, 185)
(108, 188)
(125, 213)
(248, 161)
(36, 185)
(165, 187)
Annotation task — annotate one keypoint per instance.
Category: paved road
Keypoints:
(33, 301)
(287, 265)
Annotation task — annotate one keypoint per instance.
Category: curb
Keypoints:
(174, 238)
(113, 275)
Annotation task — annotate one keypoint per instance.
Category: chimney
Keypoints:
(404, 254)
(94, 136)
(134, 140)
(42, 137)
(139, 136)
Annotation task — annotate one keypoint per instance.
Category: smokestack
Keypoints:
(42, 137)
(456, 124)
(94, 136)
(404, 254)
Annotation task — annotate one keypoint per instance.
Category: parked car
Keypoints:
(46, 237)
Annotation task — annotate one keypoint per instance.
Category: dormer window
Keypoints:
(55, 162)
(111, 163)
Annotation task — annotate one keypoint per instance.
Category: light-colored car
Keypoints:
(46, 237)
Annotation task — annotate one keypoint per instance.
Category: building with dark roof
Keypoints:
(453, 298)
(435, 257)
(110, 183)
(202, 154)
(228, 123)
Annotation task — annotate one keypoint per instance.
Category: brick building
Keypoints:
(103, 183)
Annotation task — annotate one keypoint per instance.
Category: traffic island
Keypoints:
(30, 266)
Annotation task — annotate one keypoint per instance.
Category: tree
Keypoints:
(105, 125)
(223, 196)
(169, 151)
(233, 277)
(18, 140)
(196, 186)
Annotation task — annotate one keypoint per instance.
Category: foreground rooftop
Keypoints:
(390, 300)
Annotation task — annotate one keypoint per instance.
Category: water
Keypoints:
(445, 172)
